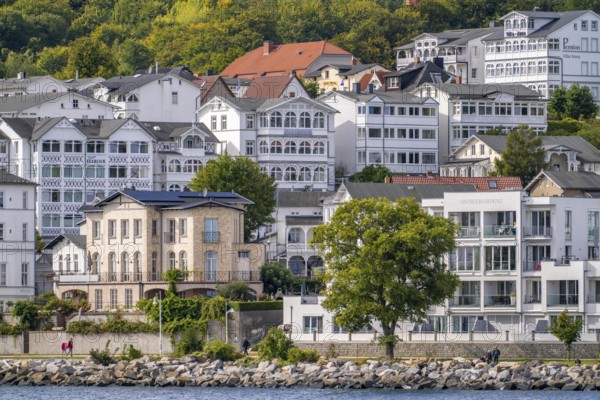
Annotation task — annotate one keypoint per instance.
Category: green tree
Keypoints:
(13, 30)
(523, 155)
(52, 59)
(243, 176)
(312, 87)
(237, 291)
(372, 173)
(567, 330)
(91, 58)
(173, 276)
(383, 261)
(39, 242)
(558, 102)
(276, 276)
(28, 312)
(581, 103)
(275, 345)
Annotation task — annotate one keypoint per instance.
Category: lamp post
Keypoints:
(159, 322)
(227, 312)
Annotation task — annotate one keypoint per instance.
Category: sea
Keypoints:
(197, 393)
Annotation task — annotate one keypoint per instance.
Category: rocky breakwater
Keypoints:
(190, 371)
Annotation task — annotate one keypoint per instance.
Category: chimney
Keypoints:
(439, 61)
(354, 61)
(387, 179)
(356, 87)
(458, 79)
(21, 75)
(267, 47)
(156, 67)
(76, 74)
(416, 60)
(370, 88)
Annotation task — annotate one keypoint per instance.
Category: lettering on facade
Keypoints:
(93, 160)
(481, 201)
(297, 131)
(571, 47)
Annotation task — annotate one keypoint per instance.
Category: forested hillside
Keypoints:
(107, 37)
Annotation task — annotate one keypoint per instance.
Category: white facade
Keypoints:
(468, 109)
(17, 238)
(291, 139)
(69, 262)
(545, 50)
(397, 130)
(42, 85)
(53, 105)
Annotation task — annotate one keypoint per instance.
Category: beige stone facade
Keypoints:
(130, 244)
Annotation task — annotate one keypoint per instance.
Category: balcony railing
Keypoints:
(563, 299)
(169, 237)
(466, 300)
(539, 231)
(532, 299)
(499, 266)
(499, 231)
(500, 300)
(210, 237)
(469, 232)
(532, 266)
(593, 234)
(463, 266)
(190, 276)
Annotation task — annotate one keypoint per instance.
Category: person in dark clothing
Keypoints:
(496, 354)
(489, 357)
(246, 346)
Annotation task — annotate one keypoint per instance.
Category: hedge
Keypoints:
(562, 127)
(257, 305)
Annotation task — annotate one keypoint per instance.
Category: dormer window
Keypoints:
(393, 82)
(530, 23)
(193, 142)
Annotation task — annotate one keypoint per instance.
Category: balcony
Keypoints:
(469, 232)
(210, 237)
(499, 231)
(593, 298)
(169, 237)
(466, 300)
(464, 265)
(500, 266)
(500, 300)
(190, 277)
(593, 234)
(77, 278)
(532, 266)
(563, 300)
(532, 298)
(537, 231)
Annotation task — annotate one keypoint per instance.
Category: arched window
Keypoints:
(523, 23)
(296, 264)
(542, 68)
(305, 174)
(174, 188)
(290, 147)
(263, 120)
(137, 266)
(192, 166)
(319, 175)
(523, 45)
(304, 148)
(515, 24)
(263, 147)
(290, 120)
(507, 24)
(515, 45)
(508, 46)
(163, 166)
(489, 70)
(516, 69)
(276, 147)
(542, 89)
(171, 257)
(296, 235)
(304, 120)
(211, 265)
(112, 267)
(531, 68)
(95, 263)
(523, 69)
(433, 53)
(276, 120)
(499, 70)
(121, 98)
(125, 266)
(319, 120)
(426, 53)
(174, 166)
(276, 173)
(264, 170)
(183, 261)
(193, 142)
(291, 174)
(509, 69)
(319, 148)
(532, 45)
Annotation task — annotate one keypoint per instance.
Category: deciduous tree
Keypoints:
(276, 276)
(383, 262)
(372, 173)
(567, 330)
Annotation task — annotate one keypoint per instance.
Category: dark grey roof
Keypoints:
(304, 220)
(387, 97)
(168, 130)
(453, 37)
(471, 91)
(8, 178)
(21, 126)
(7, 83)
(125, 84)
(77, 240)
(571, 180)
(560, 19)
(301, 199)
(416, 74)
(11, 104)
(397, 191)
(177, 199)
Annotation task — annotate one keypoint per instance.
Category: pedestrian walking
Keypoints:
(496, 354)
(70, 347)
(489, 356)
(63, 348)
(246, 346)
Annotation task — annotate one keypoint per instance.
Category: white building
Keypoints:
(545, 50)
(291, 138)
(17, 238)
(394, 129)
(462, 51)
(166, 97)
(68, 257)
(55, 104)
(23, 85)
(521, 261)
(467, 109)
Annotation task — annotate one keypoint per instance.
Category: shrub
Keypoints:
(257, 305)
(331, 352)
(217, 350)
(237, 291)
(131, 353)
(111, 326)
(6, 329)
(190, 341)
(275, 345)
(296, 355)
(83, 327)
(102, 357)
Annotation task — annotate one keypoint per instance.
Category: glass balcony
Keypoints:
(500, 300)
(469, 232)
(563, 299)
(540, 231)
(499, 231)
(466, 300)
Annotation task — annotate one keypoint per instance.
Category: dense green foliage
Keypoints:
(28, 312)
(190, 341)
(296, 355)
(47, 36)
(243, 176)
(216, 350)
(111, 326)
(275, 345)
(384, 262)
(7, 329)
(102, 357)
(567, 330)
(131, 353)
(576, 102)
(276, 276)
(372, 173)
(257, 305)
(587, 129)
(523, 155)
(237, 291)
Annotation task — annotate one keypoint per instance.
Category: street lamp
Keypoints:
(227, 312)
(159, 322)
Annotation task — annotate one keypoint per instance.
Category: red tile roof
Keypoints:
(279, 59)
(366, 79)
(482, 184)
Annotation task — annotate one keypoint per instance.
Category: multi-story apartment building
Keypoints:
(133, 237)
(76, 161)
(17, 238)
(395, 129)
(477, 156)
(292, 139)
(545, 50)
(462, 51)
(467, 109)
(521, 261)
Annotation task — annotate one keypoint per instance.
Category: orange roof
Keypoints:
(270, 59)
(268, 87)
(481, 183)
(366, 79)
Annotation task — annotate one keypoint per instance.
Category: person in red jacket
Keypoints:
(70, 347)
